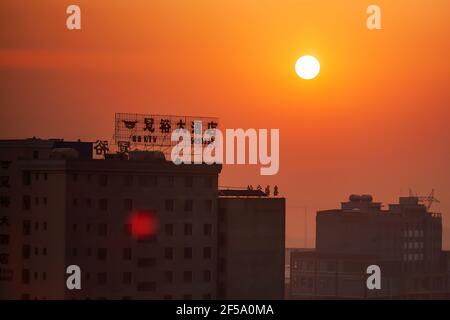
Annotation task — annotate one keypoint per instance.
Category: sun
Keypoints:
(307, 67)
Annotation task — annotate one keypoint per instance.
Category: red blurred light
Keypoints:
(143, 224)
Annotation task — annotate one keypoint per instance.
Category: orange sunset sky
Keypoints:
(376, 119)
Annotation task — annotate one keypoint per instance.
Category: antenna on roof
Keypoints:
(429, 200)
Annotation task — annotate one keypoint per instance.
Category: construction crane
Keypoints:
(426, 200)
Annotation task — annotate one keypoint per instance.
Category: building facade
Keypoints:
(405, 241)
(60, 207)
(251, 245)
(70, 210)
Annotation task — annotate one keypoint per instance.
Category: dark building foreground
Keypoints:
(251, 230)
(404, 241)
(61, 207)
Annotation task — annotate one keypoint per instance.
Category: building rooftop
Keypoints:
(241, 193)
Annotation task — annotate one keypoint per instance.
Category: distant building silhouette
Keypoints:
(404, 240)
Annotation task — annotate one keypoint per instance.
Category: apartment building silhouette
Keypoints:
(62, 207)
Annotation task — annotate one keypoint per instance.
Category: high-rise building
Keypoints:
(405, 241)
(60, 207)
(251, 245)
(63, 208)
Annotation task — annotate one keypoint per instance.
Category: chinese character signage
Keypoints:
(153, 132)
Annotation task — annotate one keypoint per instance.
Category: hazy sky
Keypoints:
(376, 120)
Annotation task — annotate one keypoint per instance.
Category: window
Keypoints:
(26, 251)
(36, 201)
(26, 227)
(126, 278)
(208, 205)
(127, 254)
(207, 229)
(222, 239)
(45, 176)
(44, 251)
(170, 181)
(128, 181)
(169, 205)
(188, 205)
(188, 229)
(222, 265)
(207, 252)
(36, 251)
(44, 199)
(188, 253)
(148, 181)
(102, 278)
(187, 276)
(26, 178)
(103, 204)
(146, 286)
(74, 227)
(168, 276)
(102, 229)
(25, 276)
(26, 203)
(168, 253)
(88, 227)
(127, 229)
(146, 262)
(189, 182)
(168, 229)
(128, 204)
(153, 181)
(102, 253)
(36, 225)
(44, 226)
(35, 154)
(44, 275)
(103, 180)
(208, 182)
(207, 276)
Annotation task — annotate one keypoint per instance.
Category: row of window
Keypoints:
(206, 296)
(102, 229)
(413, 233)
(102, 254)
(26, 251)
(128, 180)
(169, 204)
(26, 276)
(102, 278)
(102, 204)
(168, 278)
(413, 245)
(27, 225)
(413, 257)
